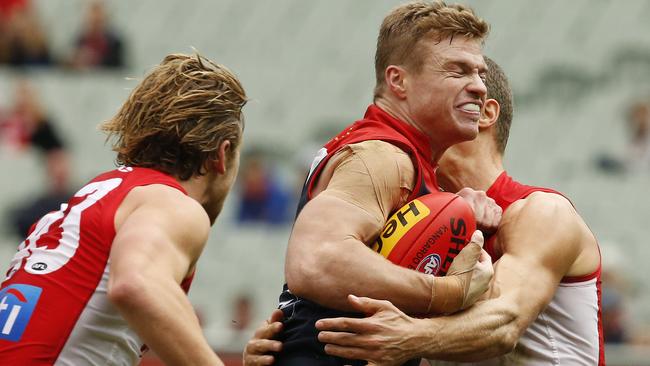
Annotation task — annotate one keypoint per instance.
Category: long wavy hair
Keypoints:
(178, 116)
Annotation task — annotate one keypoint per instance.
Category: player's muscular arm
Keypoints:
(157, 242)
(327, 258)
(539, 238)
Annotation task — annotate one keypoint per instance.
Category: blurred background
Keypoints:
(580, 71)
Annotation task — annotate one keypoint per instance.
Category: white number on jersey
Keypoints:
(41, 260)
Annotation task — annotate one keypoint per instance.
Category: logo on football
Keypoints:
(430, 264)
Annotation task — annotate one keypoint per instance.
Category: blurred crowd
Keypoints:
(263, 196)
(24, 39)
(636, 157)
(26, 125)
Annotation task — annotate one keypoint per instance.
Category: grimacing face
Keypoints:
(446, 96)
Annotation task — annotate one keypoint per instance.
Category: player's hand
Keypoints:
(257, 349)
(473, 268)
(486, 210)
(387, 337)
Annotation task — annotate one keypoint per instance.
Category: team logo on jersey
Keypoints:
(40, 266)
(17, 303)
(430, 264)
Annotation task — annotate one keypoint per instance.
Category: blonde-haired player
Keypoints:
(104, 277)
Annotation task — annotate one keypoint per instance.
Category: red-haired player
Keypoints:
(544, 304)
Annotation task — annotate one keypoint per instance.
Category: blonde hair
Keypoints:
(178, 116)
(407, 24)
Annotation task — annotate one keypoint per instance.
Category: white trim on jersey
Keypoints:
(100, 336)
(564, 333)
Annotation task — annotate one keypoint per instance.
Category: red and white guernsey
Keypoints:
(568, 331)
(53, 304)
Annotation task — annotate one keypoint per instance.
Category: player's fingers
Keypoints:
(276, 316)
(367, 305)
(348, 352)
(472, 251)
(466, 260)
(256, 360)
(266, 330)
(485, 257)
(348, 339)
(342, 325)
(498, 211)
(477, 238)
(263, 346)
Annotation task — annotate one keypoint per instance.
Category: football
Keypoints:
(427, 233)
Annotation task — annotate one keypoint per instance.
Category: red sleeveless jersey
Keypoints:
(505, 191)
(569, 329)
(53, 304)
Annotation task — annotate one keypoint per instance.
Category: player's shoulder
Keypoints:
(376, 147)
(382, 156)
(542, 203)
(541, 217)
(541, 208)
(170, 205)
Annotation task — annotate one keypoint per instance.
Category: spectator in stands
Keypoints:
(613, 313)
(638, 158)
(616, 290)
(28, 126)
(262, 199)
(22, 39)
(97, 45)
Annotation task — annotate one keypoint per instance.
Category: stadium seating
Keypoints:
(574, 66)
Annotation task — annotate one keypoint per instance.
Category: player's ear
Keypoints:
(223, 154)
(394, 76)
(489, 114)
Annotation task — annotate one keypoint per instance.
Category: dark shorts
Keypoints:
(300, 344)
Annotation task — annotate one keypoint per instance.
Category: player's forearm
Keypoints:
(332, 271)
(164, 319)
(488, 329)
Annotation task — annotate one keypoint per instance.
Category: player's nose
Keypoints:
(477, 87)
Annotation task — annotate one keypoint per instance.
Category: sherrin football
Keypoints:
(427, 233)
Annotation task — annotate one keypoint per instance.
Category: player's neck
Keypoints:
(209, 191)
(394, 109)
(474, 169)
(196, 189)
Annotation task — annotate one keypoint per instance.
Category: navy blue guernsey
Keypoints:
(299, 336)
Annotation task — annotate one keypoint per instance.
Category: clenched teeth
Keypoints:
(471, 107)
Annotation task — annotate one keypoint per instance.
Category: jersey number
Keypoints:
(43, 260)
